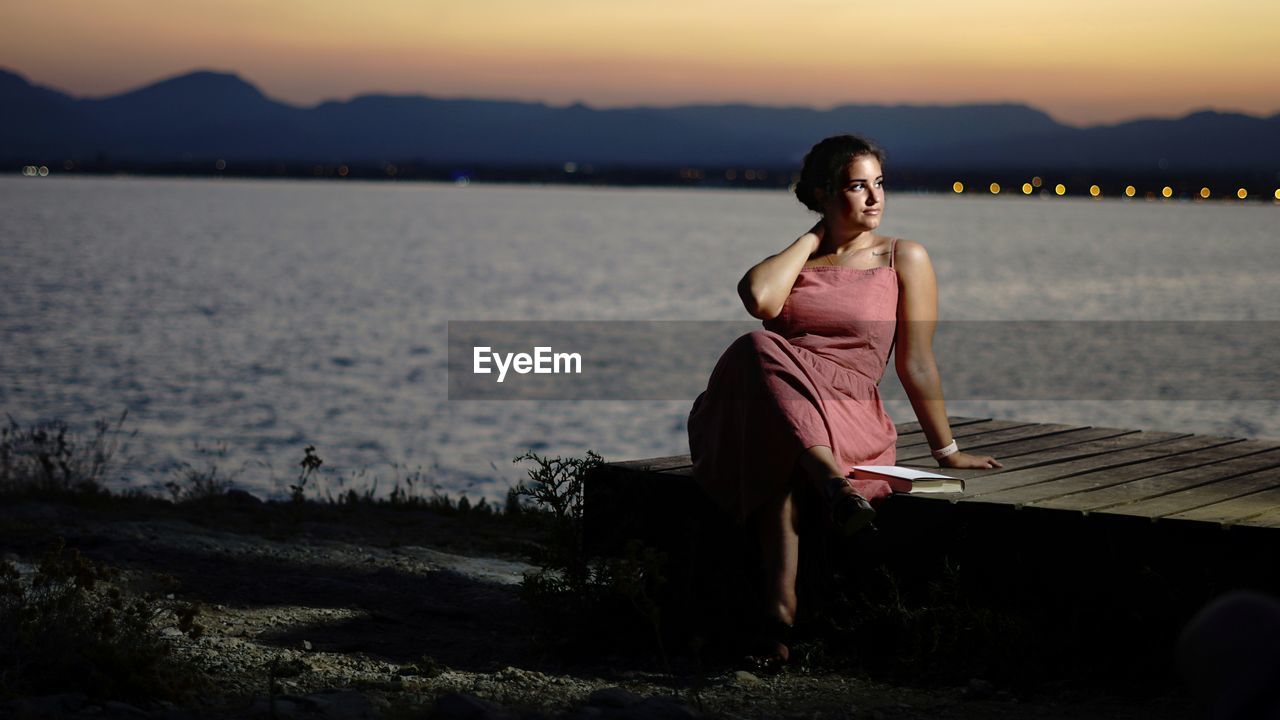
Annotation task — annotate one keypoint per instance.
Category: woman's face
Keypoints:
(859, 200)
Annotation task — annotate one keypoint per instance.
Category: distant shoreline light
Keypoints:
(573, 173)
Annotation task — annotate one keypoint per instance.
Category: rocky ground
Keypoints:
(389, 613)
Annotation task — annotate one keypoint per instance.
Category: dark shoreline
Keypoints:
(1223, 185)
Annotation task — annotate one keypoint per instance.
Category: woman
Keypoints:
(789, 409)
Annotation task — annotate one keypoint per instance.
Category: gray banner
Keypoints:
(978, 360)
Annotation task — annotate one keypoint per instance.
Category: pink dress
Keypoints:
(810, 377)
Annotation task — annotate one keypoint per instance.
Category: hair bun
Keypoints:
(825, 162)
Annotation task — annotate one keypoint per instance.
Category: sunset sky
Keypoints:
(1084, 62)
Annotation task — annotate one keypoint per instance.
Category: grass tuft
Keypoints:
(49, 459)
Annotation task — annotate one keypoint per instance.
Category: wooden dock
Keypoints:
(1156, 476)
(1076, 502)
(1109, 539)
(1218, 482)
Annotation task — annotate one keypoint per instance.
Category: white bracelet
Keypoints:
(942, 452)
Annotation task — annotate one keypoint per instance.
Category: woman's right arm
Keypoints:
(765, 287)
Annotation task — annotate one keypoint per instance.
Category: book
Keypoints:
(909, 480)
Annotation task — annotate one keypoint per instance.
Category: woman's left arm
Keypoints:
(913, 354)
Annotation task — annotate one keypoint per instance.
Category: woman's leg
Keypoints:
(777, 527)
(849, 511)
(819, 465)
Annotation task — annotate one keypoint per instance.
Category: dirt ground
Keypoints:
(390, 611)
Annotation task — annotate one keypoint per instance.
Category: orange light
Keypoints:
(1026, 189)
(1167, 191)
(1204, 193)
(1242, 193)
(1060, 189)
(995, 188)
(1130, 191)
(1094, 190)
(957, 186)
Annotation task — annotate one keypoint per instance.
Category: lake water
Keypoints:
(239, 321)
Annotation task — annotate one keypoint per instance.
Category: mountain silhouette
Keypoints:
(209, 115)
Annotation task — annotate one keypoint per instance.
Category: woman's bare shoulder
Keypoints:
(909, 253)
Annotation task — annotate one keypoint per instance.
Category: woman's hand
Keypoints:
(965, 460)
(765, 287)
(812, 240)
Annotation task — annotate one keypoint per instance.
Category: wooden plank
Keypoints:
(1239, 508)
(1046, 464)
(1042, 449)
(913, 427)
(963, 432)
(657, 464)
(1098, 471)
(1220, 490)
(995, 436)
(1171, 476)
(1268, 519)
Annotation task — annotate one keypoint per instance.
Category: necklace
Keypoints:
(831, 259)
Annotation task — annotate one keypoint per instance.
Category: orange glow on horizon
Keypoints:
(708, 51)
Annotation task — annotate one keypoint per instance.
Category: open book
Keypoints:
(909, 480)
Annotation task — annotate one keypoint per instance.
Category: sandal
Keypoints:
(770, 648)
(849, 511)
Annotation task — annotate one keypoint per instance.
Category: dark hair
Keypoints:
(825, 163)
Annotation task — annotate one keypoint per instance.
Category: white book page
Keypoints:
(903, 472)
